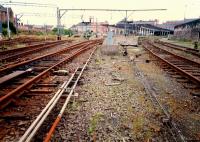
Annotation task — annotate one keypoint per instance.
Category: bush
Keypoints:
(39, 33)
(184, 40)
(4, 32)
(12, 28)
(64, 32)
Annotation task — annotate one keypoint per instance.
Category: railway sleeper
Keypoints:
(10, 116)
(195, 73)
(13, 75)
(190, 70)
(66, 94)
(178, 76)
(171, 72)
(190, 86)
(47, 85)
(182, 80)
(195, 93)
(40, 91)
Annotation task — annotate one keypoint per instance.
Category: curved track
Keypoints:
(188, 50)
(188, 69)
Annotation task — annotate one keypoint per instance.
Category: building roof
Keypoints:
(152, 22)
(83, 24)
(133, 26)
(2, 8)
(187, 22)
(153, 27)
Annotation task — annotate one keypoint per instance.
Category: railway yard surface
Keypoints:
(87, 90)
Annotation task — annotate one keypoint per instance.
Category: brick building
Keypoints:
(188, 30)
(100, 27)
(3, 16)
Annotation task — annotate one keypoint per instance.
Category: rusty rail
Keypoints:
(20, 52)
(19, 40)
(192, 51)
(13, 67)
(180, 64)
(32, 130)
(6, 99)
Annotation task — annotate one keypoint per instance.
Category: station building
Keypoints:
(188, 30)
(3, 14)
(143, 28)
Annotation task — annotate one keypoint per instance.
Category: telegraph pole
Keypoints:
(8, 23)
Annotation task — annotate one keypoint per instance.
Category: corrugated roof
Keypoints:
(133, 26)
(187, 21)
(156, 28)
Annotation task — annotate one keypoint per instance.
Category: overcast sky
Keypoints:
(176, 9)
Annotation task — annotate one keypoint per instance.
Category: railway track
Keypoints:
(13, 57)
(173, 131)
(25, 75)
(46, 92)
(185, 70)
(65, 91)
(22, 40)
(20, 52)
(188, 50)
(9, 67)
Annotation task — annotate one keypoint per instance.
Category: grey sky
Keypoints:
(176, 10)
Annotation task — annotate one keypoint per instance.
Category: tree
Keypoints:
(12, 28)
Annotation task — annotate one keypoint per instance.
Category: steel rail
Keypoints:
(175, 55)
(180, 48)
(12, 67)
(45, 112)
(5, 100)
(26, 47)
(31, 131)
(57, 120)
(186, 74)
(153, 97)
(18, 40)
(30, 50)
